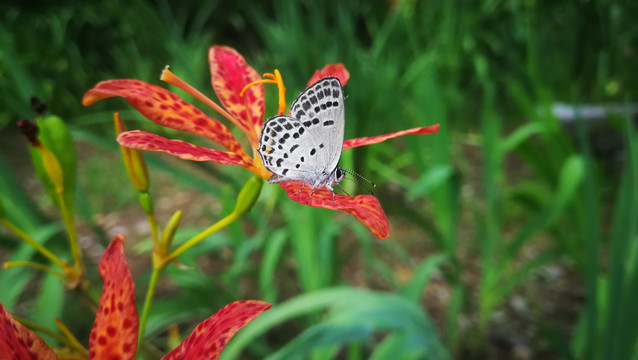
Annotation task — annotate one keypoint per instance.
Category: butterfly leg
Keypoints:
(312, 193)
(299, 192)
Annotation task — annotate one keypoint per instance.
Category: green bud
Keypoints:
(248, 195)
(169, 232)
(55, 159)
(133, 159)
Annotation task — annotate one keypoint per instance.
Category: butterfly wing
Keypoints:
(306, 146)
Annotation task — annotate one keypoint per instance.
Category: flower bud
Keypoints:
(133, 159)
(248, 195)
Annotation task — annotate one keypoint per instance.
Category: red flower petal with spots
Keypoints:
(337, 70)
(210, 337)
(114, 334)
(365, 208)
(164, 108)
(229, 75)
(19, 343)
(353, 143)
(142, 140)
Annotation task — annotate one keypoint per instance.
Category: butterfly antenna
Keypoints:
(358, 177)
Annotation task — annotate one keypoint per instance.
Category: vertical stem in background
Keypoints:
(591, 233)
(490, 237)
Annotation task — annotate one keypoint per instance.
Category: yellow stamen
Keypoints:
(270, 78)
(172, 79)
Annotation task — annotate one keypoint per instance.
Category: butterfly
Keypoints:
(306, 146)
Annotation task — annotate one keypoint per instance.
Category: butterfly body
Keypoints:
(306, 146)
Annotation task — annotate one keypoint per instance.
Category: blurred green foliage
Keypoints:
(503, 177)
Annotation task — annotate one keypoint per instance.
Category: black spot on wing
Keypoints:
(284, 172)
(315, 121)
(279, 161)
(328, 123)
(293, 148)
(336, 83)
(287, 127)
(313, 151)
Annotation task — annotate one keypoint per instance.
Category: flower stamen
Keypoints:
(270, 78)
(173, 79)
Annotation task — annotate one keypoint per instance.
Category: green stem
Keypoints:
(31, 241)
(147, 302)
(160, 264)
(10, 264)
(201, 236)
(71, 231)
(43, 330)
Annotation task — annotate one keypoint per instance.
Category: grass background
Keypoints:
(501, 222)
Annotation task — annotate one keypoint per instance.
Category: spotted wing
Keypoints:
(307, 145)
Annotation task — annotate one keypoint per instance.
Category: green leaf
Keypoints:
(352, 315)
(413, 290)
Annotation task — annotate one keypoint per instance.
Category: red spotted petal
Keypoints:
(114, 334)
(338, 70)
(164, 108)
(18, 343)
(210, 337)
(353, 143)
(142, 140)
(229, 75)
(365, 208)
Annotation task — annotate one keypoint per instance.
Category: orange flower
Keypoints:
(244, 107)
(115, 331)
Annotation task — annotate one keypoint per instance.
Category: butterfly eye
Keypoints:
(340, 175)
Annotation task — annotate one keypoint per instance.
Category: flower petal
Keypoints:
(114, 334)
(210, 337)
(353, 143)
(142, 140)
(229, 75)
(17, 342)
(365, 208)
(337, 70)
(164, 108)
